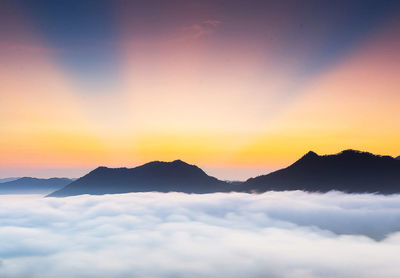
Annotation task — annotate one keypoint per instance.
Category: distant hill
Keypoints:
(234, 183)
(348, 171)
(2, 180)
(398, 158)
(154, 176)
(29, 185)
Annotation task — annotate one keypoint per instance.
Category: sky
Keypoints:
(239, 88)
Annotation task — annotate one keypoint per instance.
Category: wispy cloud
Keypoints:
(202, 29)
(28, 48)
(214, 23)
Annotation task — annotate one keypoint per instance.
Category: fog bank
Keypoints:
(275, 234)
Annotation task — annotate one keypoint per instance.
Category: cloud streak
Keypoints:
(202, 29)
(276, 234)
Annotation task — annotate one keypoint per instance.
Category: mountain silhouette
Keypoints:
(29, 185)
(348, 171)
(398, 158)
(2, 180)
(158, 176)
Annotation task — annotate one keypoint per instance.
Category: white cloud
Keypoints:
(276, 234)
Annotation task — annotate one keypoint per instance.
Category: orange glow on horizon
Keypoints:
(194, 100)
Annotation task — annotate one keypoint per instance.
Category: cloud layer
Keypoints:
(276, 234)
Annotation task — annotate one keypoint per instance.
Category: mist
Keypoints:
(275, 234)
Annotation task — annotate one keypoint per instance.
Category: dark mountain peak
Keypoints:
(176, 165)
(362, 156)
(101, 168)
(175, 162)
(182, 164)
(310, 154)
(178, 161)
(349, 171)
(398, 158)
(343, 159)
(159, 176)
(355, 153)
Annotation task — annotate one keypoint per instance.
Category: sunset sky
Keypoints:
(238, 88)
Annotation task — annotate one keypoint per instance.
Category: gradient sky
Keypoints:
(237, 87)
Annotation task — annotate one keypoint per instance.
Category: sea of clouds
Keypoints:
(275, 234)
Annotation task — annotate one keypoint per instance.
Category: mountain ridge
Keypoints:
(159, 176)
(29, 185)
(349, 171)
